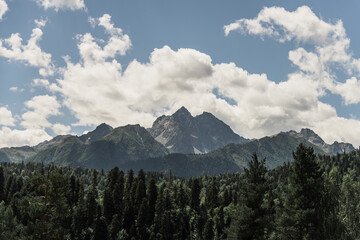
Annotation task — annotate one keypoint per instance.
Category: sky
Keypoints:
(262, 67)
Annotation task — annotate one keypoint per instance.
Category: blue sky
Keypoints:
(260, 66)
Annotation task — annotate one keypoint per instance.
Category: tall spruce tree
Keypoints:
(2, 184)
(195, 195)
(303, 214)
(252, 218)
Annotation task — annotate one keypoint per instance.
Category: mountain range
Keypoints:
(189, 146)
(183, 133)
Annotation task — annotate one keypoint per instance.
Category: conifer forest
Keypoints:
(314, 197)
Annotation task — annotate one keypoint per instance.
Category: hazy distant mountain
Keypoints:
(315, 139)
(16, 154)
(183, 133)
(123, 144)
(101, 131)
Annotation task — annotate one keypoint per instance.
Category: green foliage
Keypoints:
(311, 198)
(251, 219)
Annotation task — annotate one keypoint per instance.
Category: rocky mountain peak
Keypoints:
(99, 132)
(311, 136)
(182, 115)
(183, 133)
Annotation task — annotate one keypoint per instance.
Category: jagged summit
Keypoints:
(310, 136)
(183, 133)
(99, 132)
(182, 111)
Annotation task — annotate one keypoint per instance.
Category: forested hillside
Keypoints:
(315, 197)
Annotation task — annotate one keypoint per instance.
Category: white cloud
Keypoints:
(44, 83)
(60, 129)
(339, 129)
(302, 25)
(38, 82)
(31, 53)
(40, 109)
(350, 90)
(40, 22)
(16, 138)
(118, 43)
(187, 77)
(35, 122)
(97, 89)
(306, 61)
(92, 22)
(16, 89)
(251, 104)
(331, 45)
(62, 4)
(3, 8)
(6, 117)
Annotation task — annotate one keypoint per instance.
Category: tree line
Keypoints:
(315, 197)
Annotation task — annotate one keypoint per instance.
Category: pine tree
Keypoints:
(91, 208)
(303, 213)
(212, 199)
(118, 195)
(140, 192)
(350, 207)
(2, 185)
(108, 204)
(100, 231)
(195, 195)
(152, 197)
(114, 228)
(141, 221)
(251, 219)
(209, 230)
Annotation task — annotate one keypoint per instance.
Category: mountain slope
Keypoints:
(16, 154)
(123, 144)
(315, 139)
(100, 131)
(48, 144)
(183, 133)
(276, 149)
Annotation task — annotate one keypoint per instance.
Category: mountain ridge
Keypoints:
(315, 139)
(183, 133)
(133, 146)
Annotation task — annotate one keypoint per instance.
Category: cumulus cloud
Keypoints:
(117, 44)
(97, 89)
(62, 4)
(251, 104)
(14, 138)
(31, 53)
(6, 117)
(35, 122)
(40, 109)
(350, 90)
(302, 25)
(40, 22)
(171, 79)
(3, 8)
(329, 41)
(61, 129)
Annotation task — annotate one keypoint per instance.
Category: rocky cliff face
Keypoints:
(100, 131)
(183, 133)
(315, 139)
